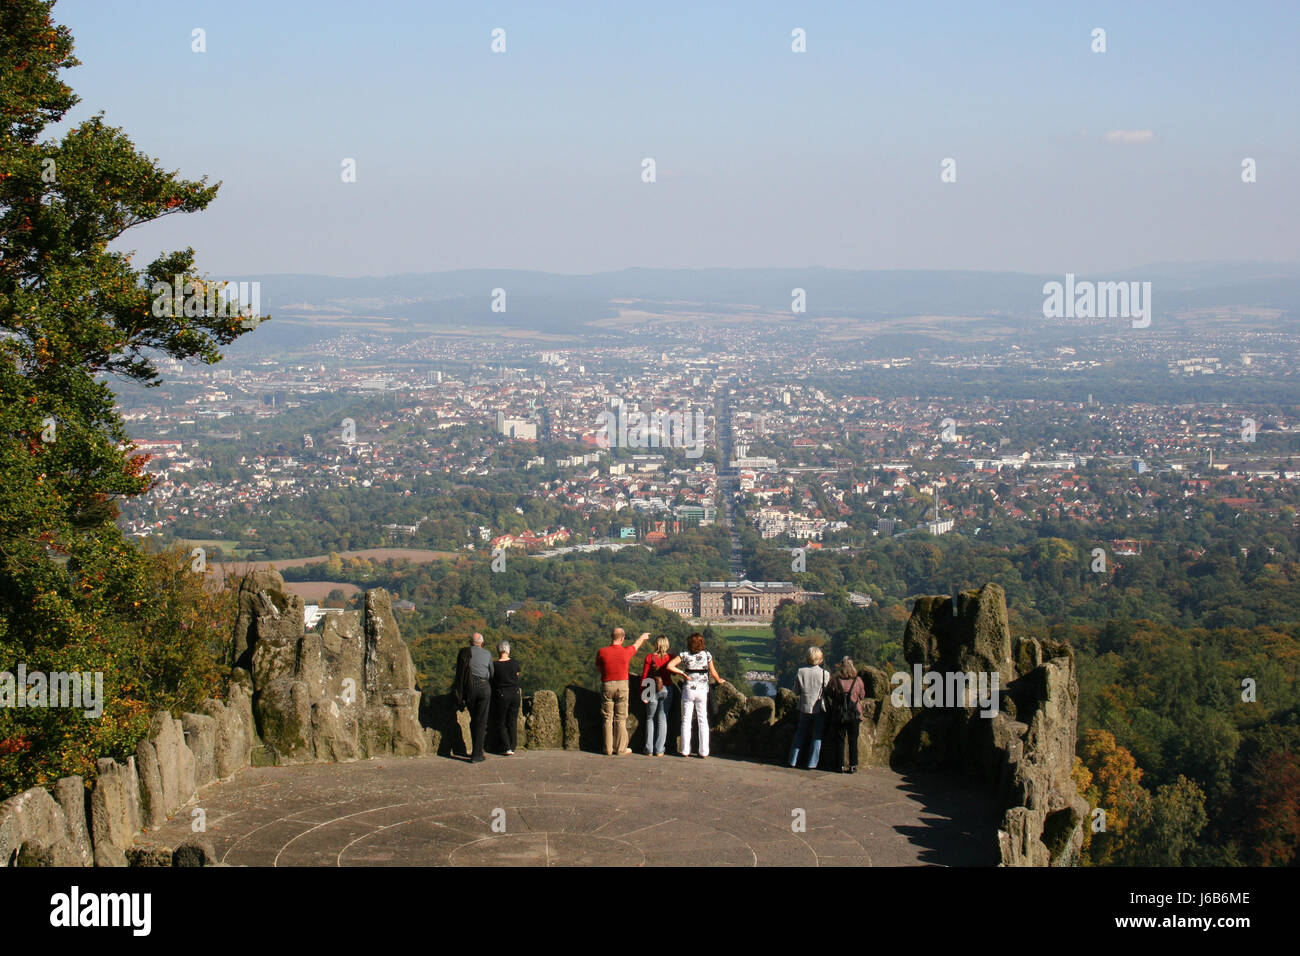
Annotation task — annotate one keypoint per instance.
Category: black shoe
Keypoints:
(479, 759)
(853, 770)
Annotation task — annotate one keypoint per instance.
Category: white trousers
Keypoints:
(695, 701)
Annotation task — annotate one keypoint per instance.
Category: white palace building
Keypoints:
(725, 600)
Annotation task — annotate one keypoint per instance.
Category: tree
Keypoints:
(71, 314)
(1114, 785)
(1272, 824)
(1177, 818)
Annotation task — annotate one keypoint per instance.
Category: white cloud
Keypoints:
(1130, 136)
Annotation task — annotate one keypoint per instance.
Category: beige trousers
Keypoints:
(614, 710)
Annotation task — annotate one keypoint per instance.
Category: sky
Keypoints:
(1066, 159)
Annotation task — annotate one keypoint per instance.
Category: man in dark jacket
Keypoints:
(461, 685)
(479, 697)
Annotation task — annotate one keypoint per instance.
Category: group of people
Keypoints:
(823, 695)
(694, 665)
(487, 686)
(491, 686)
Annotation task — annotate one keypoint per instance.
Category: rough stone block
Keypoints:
(201, 738)
(73, 797)
(174, 766)
(195, 852)
(543, 728)
(149, 855)
(234, 741)
(441, 724)
(377, 731)
(152, 801)
(114, 811)
(34, 817)
(61, 854)
(336, 731)
(284, 716)
(394, 669)
(408, 736)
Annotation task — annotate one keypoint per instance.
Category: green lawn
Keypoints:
(231, 548)
(752, 644)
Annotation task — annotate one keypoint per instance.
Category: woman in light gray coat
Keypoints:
(810, 685)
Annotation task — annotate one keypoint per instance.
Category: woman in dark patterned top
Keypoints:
(505, 697)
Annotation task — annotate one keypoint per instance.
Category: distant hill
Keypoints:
(416, 304)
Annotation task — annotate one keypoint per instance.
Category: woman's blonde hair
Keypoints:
(814, 655)
(661, 645)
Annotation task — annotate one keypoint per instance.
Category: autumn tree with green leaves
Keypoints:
(1141, 829)
(75, 594)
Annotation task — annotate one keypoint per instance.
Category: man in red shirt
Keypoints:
(612, 663)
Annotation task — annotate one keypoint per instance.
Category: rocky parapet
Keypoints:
(1024, 750)
(343, 693)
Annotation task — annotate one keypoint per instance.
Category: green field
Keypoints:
(230, 548)
(752, 643)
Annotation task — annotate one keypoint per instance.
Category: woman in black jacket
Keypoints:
(506, 697)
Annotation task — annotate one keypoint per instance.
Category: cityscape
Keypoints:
(811, 460)
(681, 435)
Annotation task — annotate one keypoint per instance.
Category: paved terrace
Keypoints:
(570, 808)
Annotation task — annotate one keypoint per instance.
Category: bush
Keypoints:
(156, 642)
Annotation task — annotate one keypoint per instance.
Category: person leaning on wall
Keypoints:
(810, 684)
(696, 665)
(848, 693)
(657, 692)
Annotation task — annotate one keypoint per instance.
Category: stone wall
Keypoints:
(1025, 752)
(341, 694)
(72, 825)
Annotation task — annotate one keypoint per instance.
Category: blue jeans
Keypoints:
(815, 722)
(656, 720)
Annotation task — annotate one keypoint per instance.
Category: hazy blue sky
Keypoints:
(766, 157)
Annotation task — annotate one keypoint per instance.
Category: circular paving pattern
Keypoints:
(564, 808)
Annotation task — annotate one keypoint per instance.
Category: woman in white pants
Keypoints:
(696, 665)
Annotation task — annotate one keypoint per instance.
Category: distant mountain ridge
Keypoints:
(556, 302)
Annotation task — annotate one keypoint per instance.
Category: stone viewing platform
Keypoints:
(570, 808)
(326, 751)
